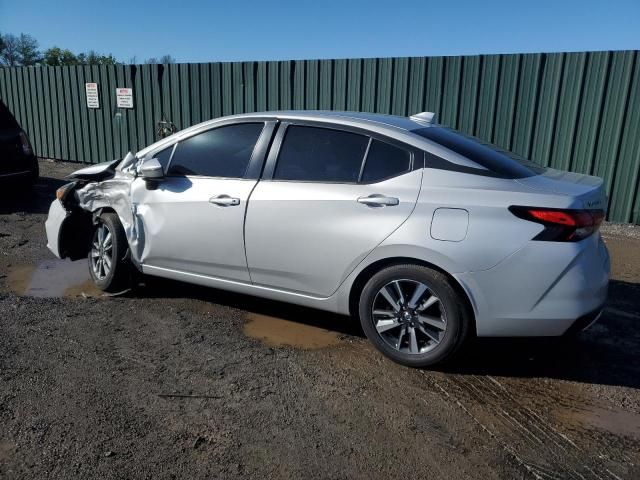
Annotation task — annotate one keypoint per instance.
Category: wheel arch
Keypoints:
(366, 273)
(75, 232)
(75, 235)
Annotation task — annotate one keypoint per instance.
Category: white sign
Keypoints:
(124, 97)
(92, 95)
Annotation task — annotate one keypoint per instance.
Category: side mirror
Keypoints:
(151, 170)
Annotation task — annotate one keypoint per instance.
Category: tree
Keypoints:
(18, 50)
(94, 58)
(52, 56)
(55, 57)
(68, 57)
(163, 59)
(23, 50)
(28, 52)
(108, 60)
(10, 56)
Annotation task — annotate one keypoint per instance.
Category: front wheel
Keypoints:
(413, 315)
(109, 266)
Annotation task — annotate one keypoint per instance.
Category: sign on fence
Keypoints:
(92, 95)
(124, 97)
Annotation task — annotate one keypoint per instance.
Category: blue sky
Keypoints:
(201, 31)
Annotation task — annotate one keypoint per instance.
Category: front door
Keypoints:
(193, 221)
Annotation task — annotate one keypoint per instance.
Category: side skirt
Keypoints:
(329, 304)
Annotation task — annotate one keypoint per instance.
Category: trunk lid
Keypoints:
(587, 189)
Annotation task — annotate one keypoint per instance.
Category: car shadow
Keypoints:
(155, 287)
(606, 353)
(29, 199)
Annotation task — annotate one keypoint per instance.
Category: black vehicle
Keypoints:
(18, 163)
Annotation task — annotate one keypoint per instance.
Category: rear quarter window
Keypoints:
(497, 161)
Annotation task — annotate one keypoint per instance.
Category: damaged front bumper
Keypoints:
(53, 226)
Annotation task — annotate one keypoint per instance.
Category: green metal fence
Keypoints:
(574, 111)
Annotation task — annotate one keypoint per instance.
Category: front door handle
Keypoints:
(376, 200)
(224, 201)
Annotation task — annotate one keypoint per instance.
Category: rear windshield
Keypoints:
(7, 122)
(499, 162)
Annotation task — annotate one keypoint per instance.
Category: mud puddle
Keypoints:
(615, 421)
(52, 278)
(277, 332)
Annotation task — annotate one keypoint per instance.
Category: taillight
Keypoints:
(26, 146)
(561, 225)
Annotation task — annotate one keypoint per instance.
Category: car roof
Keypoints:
(364, 118)
(392, 126)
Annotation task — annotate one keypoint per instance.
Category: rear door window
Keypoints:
(385, 161)
(315, 154)
(220, 152)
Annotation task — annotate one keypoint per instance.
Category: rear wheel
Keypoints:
(109, 266)
(413, 315)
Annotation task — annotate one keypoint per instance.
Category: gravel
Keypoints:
(163, 382)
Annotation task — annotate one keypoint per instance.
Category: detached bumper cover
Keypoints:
(53, 225)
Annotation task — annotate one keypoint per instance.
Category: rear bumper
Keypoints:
(53, 226)
(542, 290)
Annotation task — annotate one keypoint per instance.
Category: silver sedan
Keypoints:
(427, 235)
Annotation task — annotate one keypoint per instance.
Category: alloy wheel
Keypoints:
(102, 252)
(409, 317)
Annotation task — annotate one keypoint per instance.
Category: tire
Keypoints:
(109, 265)
(412, 341)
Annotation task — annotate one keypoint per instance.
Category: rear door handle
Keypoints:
(224, 201)
(376, 200)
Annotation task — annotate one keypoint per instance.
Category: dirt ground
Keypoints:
(176, 381)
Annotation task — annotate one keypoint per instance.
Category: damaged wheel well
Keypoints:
(75, 234)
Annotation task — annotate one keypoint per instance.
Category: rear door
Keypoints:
(328, 197)
(193, 221)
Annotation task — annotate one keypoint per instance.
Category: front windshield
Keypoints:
(498, 161)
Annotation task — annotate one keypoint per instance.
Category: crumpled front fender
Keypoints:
(113, 194)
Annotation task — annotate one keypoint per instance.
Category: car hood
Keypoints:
(95, 172)
(104, 170)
